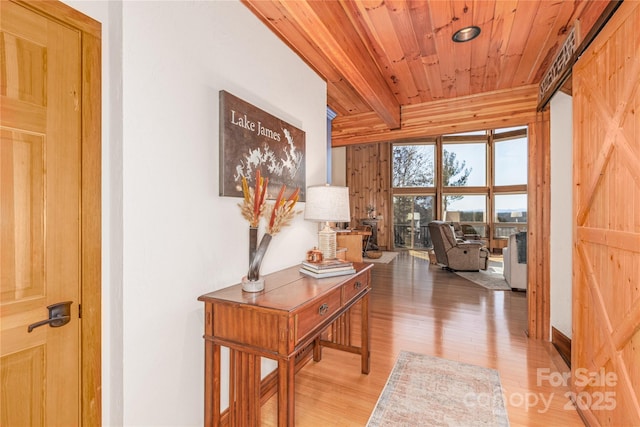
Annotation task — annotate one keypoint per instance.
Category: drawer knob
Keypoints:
(323, 309)
(357, 285)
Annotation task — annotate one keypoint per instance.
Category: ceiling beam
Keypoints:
(326, 26)
(488, 110)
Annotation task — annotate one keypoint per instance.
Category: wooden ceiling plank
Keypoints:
(431, 67)
(443, 20)
(591, 12)
(358, 14)
(421, 81)
(463, 15)
(417, 85)
(422, 26)
(540, 33)
(387, 48)
(379, 55)
(427, 65)
(341, 96)
(357, 17)
(344, 100)
(483, 16)
(557, 34)
(406, 90)
(500, 31)
(328, 25)
(400, 14)
(286, 28)
(522, 28)
(300, 26)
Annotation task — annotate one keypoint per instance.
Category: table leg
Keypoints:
(286, 392)
(244, 389)
(317, 349)
(364, 334)
(212, 384)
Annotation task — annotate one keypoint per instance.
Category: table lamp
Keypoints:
(326, 203)
(516, 215)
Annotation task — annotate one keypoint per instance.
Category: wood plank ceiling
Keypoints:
(382, 55)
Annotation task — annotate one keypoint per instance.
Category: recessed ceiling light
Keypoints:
(466, 34)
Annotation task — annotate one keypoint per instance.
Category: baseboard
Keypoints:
(562, 343)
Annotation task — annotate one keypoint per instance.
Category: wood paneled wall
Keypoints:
(368, 179)
(484, 111)
(606, 259)
(539, 227)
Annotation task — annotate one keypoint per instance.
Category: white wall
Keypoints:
(168, 236)
(561, 212)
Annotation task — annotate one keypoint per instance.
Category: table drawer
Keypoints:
(354, 287)
(315, 313)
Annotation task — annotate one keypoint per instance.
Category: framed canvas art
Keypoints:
(252, 139)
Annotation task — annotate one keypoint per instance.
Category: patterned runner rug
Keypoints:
(430, 391)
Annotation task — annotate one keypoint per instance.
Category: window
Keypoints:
(466, 209)
(510, 214)
(413, 165)
(411, 216)
(510, 181)
(478, 179)
(469, 208)
(474, 132)
(511, 208)
(464, 165)
(510, 161)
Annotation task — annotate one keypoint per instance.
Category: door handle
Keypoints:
(59, 315)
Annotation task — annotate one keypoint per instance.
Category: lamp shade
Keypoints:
(452, 216)
(327, 203)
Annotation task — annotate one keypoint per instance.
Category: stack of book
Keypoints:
(327, 268)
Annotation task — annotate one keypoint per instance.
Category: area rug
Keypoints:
(491, 278)
(429, 391)
(386, 257)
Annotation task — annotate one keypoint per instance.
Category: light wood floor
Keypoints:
(421, 308)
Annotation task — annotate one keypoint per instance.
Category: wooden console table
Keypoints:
(278, 323)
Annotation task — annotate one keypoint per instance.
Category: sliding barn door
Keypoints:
(606, 311)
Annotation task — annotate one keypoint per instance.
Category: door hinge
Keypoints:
(79, 311)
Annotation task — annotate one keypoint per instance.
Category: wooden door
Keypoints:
(40, 208)
(606, 310)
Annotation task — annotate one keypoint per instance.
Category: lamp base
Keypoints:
(327, 242)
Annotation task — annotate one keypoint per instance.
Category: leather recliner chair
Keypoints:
(457, 255)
